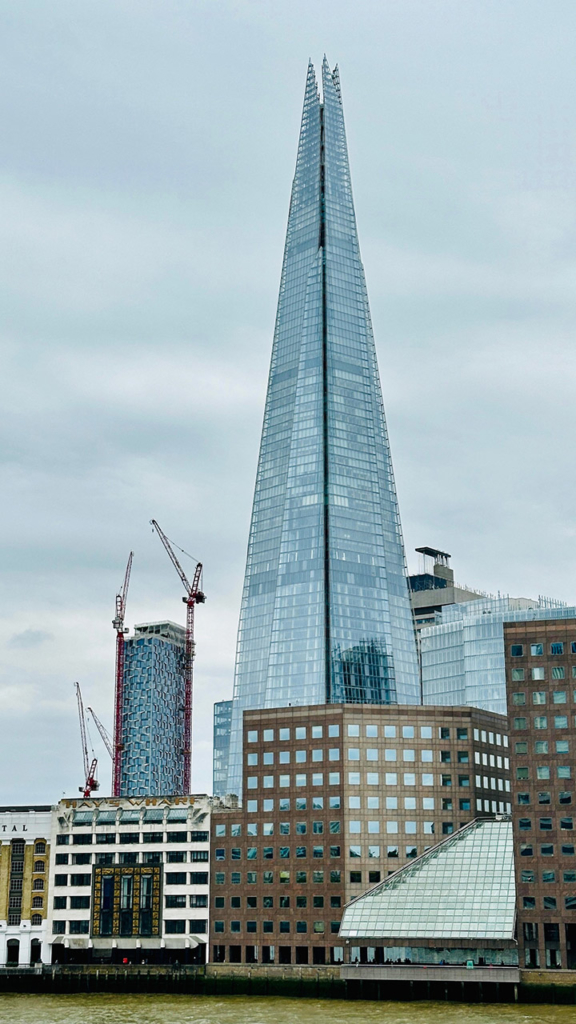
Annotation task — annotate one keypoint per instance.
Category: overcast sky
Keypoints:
(147, 156)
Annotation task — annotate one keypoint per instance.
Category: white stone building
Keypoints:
(129, 880)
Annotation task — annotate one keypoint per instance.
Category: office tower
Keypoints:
(222, 727)
(335, 798)
(463, 655)
(153, 711)
(540, 679)
(325, 613)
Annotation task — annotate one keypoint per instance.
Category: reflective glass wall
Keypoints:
(325, 611)
(463, 658)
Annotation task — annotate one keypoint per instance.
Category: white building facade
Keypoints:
(129, 880)
(24, 859)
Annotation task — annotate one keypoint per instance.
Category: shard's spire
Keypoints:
(325, 609)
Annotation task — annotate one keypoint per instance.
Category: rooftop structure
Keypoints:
(325, 613)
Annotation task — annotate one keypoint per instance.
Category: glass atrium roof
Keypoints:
(462, 888)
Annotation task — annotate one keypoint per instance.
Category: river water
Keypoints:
(154, 1009)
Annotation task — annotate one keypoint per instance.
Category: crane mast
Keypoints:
(118, 624)
(193, 596)
(91, 783)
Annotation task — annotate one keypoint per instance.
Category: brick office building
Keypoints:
(335, 798)
(541, 687)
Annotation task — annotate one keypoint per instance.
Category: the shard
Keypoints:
(325, 614)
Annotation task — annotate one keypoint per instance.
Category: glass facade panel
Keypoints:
(463, 656)
(325, 613)
(463, 888)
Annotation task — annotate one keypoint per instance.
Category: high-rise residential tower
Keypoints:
(325, 611)
(153, 711)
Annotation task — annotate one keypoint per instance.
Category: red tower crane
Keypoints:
(91, 783)
(118, 624)
(193, 597)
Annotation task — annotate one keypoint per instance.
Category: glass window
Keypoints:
(333, 730)
(516, 650)
(519, 698)
(334, 754)
(541, 747)
(563, 771)
(521, 747)
(334, 778)
(557, 648)
(300, 732)
(409, 779)
(408, 755)
(252, 736)
(353, 753)
(536, 650)
(560, 721)
(427, 780)
(562, 746)
(538, 697)
(371, 732)
(517, 675)
(353, 730)
(251, 760)
(425, 732)
(353, 778)
(300, 756)
(540, 722)
(317, 732)
(543, 772)
(519, 723)
(284, 734)
(538, 673)
(391, 779)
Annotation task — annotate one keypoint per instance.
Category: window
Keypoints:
(316, 732)
(426, 755)
(557, 648)
(334, 754)
(516, 651)
(560, 721)
(536, 650)
(284, 734)
(353, 730)
(268, 735)
(543, 772)
(333, 730)
(517, 675)
(425, 732)
(252, 736)
(563, 771)
(538, 673)
(519, 723)
(540, 722)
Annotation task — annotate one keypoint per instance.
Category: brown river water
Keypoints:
(154, 1009)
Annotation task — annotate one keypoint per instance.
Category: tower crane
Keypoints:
(90, 767)
(104, 734)
(193, 597)
(118, 624)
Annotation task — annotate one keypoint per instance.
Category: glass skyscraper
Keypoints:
(153, 711)
(325, 611)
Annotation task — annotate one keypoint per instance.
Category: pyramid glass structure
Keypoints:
(461, 889)
(325, 613)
